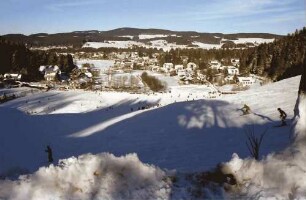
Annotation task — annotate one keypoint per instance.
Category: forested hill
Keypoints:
(281, 59)
(16, 58)
(78, 38)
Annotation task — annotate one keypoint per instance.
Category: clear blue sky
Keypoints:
(226, 16)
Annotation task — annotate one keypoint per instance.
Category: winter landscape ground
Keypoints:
(118, 145)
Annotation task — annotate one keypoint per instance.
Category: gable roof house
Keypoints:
(50, 72)
(12, 76)
(231, 70)
(167, 67)
(246, 81)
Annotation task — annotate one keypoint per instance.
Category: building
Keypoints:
(167, 67)
(14, 77)
(231, 70)
(235, 62)
(214, 64)
(246, 81)
(50, 72)
(178, 68)
(192, 66)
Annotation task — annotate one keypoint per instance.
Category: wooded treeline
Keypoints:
(16, 58)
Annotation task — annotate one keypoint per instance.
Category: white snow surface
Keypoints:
(250, 40)
(278, 176)
(114, 44)
(181, 130)
(101, 64)
(163, 44)
(101, 176)
(207, 46)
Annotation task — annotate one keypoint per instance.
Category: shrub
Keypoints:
(153, 83)
(253, 143)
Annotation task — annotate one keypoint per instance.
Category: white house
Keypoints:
(214, 64)
(191, 66)
(167, 67)
(155, 68)
(231, 70)
(181, 73)
(16, 77)
(178, 67)
(235, 61)
(49, 72)
(246, 81)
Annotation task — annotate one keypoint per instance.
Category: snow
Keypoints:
(278, 176)
(101, 176)
(150, 36)
(207, 46)
(100, 64)
(250, 40)
(112, 44)
(163, 44)
(127, 36)
(187, 130)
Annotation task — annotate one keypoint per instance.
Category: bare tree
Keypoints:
(302, 89)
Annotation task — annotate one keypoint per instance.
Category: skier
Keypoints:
(283, 116)
(49, 151)
(246, 109)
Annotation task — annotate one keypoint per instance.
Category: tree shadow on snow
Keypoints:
(187, 136)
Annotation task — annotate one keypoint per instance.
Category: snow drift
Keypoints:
(101, 176)
(281, 176)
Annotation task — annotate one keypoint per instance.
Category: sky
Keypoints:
(223, 16)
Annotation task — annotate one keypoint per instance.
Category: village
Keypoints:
(121, 71)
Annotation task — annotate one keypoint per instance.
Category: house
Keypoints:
(246, 81)
(231, 70)
(13, 76)
(235, 61)
(167, 67)
(50, 72)
(178, 68)
(214, 64)
(155, 68)
(192, 66)
(181, 73)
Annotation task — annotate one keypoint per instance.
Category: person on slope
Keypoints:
(50, 156)
(246, 109)
(283, 116)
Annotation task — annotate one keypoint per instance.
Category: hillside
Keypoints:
(78, 38)
(187, 136)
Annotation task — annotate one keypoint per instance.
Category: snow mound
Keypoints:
(101, 176)
(281, 176)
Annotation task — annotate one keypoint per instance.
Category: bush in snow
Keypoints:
(153, 83)
(253, 143)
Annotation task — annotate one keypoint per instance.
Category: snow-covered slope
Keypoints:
(166, 46)
(187, 136)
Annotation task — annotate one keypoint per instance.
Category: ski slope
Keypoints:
(182, 131)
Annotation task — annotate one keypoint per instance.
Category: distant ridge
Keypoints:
(77, 38)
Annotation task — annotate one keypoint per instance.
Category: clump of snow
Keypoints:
(101, 176)
(280, 175)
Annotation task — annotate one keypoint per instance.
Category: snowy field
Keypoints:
(125, 151)
(101, 64)
(163, 44)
